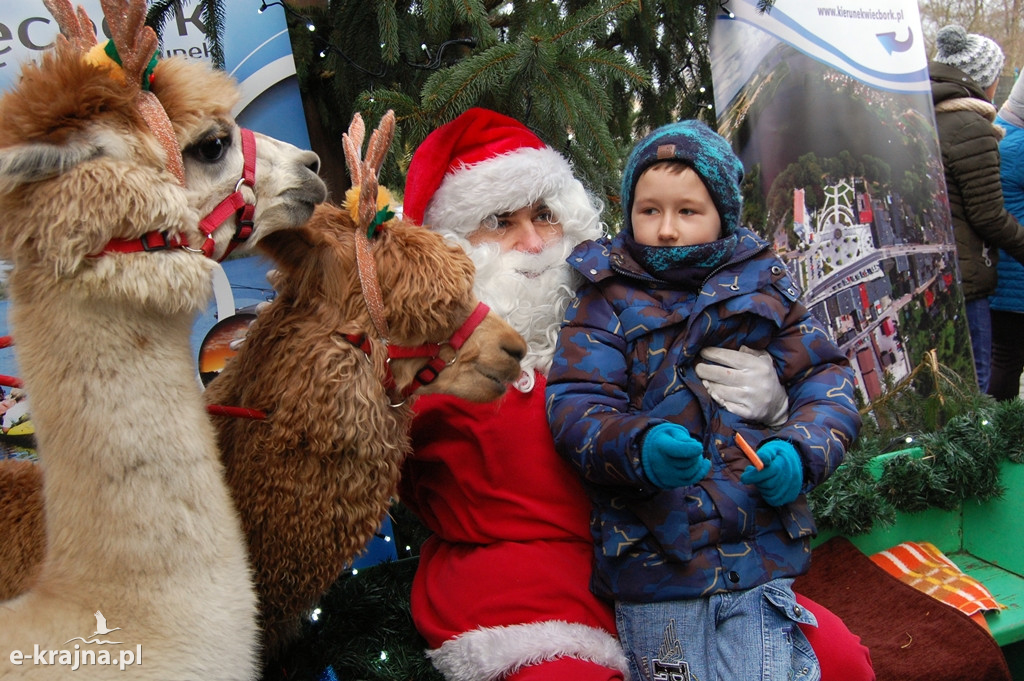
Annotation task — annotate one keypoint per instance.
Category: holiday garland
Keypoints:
(932, 441)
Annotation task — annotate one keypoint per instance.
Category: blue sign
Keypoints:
(257, 52)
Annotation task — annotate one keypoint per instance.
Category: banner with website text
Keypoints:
(829, 107)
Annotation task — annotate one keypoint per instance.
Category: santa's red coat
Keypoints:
(503, 582)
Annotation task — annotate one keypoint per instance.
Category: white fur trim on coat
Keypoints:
(491, 653)
(503, 183)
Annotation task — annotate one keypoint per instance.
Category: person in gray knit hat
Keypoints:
(964, 76)
(1007, 302)
(977, 56)
(696, 545)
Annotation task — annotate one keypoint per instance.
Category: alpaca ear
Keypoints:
(290, 249)
(305, 256)
(37, 161)
(29, 163)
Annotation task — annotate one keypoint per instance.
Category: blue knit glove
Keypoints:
(672, 458)
(782, 476)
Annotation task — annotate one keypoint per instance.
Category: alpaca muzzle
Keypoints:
(429, 372)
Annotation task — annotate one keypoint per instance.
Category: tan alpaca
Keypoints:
(314, 479)
(144, 546)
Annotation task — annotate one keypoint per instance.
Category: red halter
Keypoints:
(235, 203)
(367, 269)
(432, 369)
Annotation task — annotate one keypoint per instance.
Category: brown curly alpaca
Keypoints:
(23, 543)
(139, 523)
(314, 480)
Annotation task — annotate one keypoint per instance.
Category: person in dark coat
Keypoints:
(697, 546)
(964, 75)
(1007, 302)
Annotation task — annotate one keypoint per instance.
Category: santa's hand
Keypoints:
(782, 476)
(744, 382)
(672, 458)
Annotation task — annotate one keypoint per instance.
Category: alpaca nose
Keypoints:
(515, 348)
(312, 161)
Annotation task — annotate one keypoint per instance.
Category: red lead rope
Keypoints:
(237, 412)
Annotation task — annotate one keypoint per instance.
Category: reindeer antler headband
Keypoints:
(369, 205)
(130, 54)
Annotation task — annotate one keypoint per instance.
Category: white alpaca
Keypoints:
(139, 524)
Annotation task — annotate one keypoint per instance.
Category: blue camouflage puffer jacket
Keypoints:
(626, 363)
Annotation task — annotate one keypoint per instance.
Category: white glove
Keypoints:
(744, 382)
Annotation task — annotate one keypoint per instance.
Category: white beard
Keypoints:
(530, 291)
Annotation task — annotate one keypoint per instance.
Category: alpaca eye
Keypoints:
(211, 149)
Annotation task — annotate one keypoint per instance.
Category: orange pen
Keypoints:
(749, 451)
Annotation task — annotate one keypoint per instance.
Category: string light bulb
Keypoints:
(264, 5)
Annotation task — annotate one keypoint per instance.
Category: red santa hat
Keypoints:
(480, 164)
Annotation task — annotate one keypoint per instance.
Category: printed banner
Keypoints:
(829, 107)
(257, 52)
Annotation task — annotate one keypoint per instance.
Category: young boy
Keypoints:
(696, 546)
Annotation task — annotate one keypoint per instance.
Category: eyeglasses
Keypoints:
(543, 220)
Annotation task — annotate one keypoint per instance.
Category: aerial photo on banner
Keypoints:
(829, 107)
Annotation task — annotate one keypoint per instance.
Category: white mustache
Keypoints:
(533, 265)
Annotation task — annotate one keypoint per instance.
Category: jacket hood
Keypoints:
(951, 83)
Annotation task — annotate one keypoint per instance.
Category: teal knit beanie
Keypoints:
(703, 149)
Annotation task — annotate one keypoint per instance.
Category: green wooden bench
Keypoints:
(985, 539)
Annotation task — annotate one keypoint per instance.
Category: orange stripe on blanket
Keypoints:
(923, 566)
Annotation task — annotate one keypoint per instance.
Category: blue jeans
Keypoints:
(748, 635)
(979, 325)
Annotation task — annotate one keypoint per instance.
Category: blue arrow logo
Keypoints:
(891, 44)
